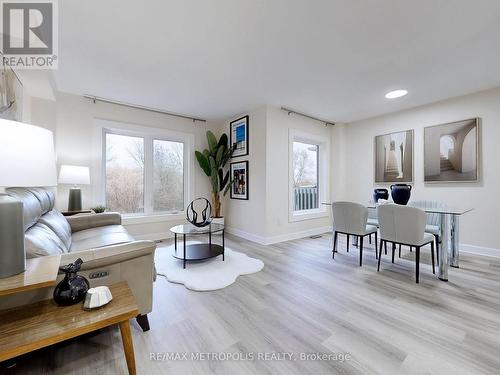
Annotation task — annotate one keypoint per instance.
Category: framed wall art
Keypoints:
(239, 175)
(239, 136)
(394, 157)
(451, 152)
(11, 94)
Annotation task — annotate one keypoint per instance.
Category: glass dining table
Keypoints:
(449, 253)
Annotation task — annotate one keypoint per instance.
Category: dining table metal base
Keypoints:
(454, 243)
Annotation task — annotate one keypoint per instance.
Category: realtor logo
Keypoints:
(29, 34)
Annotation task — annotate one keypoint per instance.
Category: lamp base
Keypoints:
(75, 199)
(12, 252)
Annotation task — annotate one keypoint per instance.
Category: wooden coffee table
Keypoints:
(30, 327)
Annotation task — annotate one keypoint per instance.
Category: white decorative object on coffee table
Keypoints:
(97, 297)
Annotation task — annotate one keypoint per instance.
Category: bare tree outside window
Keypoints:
(168, 176)
(138, 182)
(124, 173)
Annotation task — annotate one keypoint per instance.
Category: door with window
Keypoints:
(308, 160)
(305, 176)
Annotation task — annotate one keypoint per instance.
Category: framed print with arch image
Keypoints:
(451, 152)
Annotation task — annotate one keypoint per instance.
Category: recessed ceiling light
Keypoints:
(396, 94)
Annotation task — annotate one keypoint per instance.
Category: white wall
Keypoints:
(279, 124)
(247, 217)
(265, 216)
(478, 228)
(73, 119)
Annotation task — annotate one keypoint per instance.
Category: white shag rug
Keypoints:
(209, 274)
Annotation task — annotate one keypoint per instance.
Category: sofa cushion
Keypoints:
(99, 237)
(31, 205)
(40, 240)
(59, 225)
(45, 197)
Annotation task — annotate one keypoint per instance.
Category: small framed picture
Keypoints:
(239, 175)
(239, 136)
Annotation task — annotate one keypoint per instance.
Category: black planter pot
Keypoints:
(401, 193)
(380, 194)
(73, 288)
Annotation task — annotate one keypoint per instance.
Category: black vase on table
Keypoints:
(401, 193)
(380, 193)
(73, 288)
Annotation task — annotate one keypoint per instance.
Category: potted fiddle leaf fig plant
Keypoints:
(213, 162)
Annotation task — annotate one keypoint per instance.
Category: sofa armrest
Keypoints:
(132, 262)
(107, 255)
(87, 221)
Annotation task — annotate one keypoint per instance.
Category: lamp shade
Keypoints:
(27, 156)
(74, 174)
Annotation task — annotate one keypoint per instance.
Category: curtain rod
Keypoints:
(144, 108)
(291, 111)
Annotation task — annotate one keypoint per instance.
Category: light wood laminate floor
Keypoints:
(305, 302)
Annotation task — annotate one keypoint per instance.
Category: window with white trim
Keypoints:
(145, 174)
(308, 161)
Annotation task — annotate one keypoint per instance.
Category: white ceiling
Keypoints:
(332, 58)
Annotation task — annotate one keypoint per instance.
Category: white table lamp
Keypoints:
(74, 175)
(27, 159)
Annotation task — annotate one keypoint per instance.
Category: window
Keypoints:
(168, 176)
(145, 173)
(124, 173)
(305, 176)
(308, 160)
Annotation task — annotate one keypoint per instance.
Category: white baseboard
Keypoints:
(297, 235)
(480, 250)
(247, 236)
(279, 238)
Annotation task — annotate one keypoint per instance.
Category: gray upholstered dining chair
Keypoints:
(372, 220)
(433, 223)
(350, 218)
(406, 226)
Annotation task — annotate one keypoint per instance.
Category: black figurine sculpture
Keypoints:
(73, 288)
(199, 212)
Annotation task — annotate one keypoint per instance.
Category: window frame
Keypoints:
(149, 135)
(323, 163)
